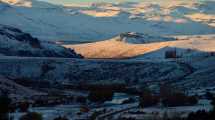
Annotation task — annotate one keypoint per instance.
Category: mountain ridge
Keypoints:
(14, 42)
(59, 23)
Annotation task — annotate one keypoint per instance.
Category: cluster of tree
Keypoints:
(32, 116)
(147, 99)
(32, 83)
(90, 87)
(179, 99)
(95, 115)
(199, 115)
(81, 99)
(23, 106)
(203, 115)
(6, 106)
(38, 116)
(61, 118)
(5, 102)
(168, 97)
(171, 53)
(171, 97)
(52, 101)
(100, 95)
(209, 95)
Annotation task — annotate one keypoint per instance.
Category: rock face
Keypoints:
(140, 38)
(14, 42)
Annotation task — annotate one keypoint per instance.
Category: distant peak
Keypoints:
(130, 35)
(141, 38)
(29, 3)
(25, 3)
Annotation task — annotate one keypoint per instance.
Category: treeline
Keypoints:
(199, 115)
(168, 97)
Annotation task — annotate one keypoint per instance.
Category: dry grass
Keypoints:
(118, 49)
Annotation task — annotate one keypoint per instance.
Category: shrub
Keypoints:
(23, 106)
(173, 97)
(209, 95)
(61, 118)
(147, 99)
(179, 99)
(95, 115)
(100, 95)
(81, 99)
(171, 54)
(199, 115)
(31, 116)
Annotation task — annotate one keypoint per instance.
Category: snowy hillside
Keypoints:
(196, 72)
(75, 71)
(94, 22)
(14, 42)
(144, 46)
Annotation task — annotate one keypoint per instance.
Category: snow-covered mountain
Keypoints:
(14, 42)
(102, 21)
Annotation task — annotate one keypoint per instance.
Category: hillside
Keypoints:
(146, 46)
(196, 72)
(14, 42)
(15, 90)
(77, 71)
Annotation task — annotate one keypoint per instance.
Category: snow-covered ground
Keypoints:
(90, 71)
(100, 21)
(49, 113)
(116, 111)
(159, 112)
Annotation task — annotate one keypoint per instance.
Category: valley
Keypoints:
(107, 60)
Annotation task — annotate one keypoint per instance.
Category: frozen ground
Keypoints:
(115, 111)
